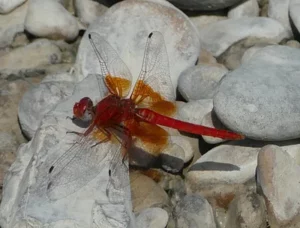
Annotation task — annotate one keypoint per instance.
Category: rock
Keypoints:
(146, 193)
(291, 147)
(294, 8)
(7, 6)
(12, 24)
(211, 120)
(183, 45)
(194, 211)
(248, 8)
(152, 218)
(10, 96)
(219, 36)
(35, 195)
(38, 53)
(279, 10)
(251, 52)
(265, 93)
(232, 57)
(246, 210)
(200, 82)
(88, 10)
(8, 148)
(51, 20)
(194, 111)
(206, 57)
(293, 44)
(204, 4)
(172, 158)
(278, 178)
(38, 101)
(222, 172)
(202, 21)
(20, 40)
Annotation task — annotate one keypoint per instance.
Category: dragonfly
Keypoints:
(129, 115)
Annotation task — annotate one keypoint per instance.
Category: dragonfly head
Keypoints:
(83, 109)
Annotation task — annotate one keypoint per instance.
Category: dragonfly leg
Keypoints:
(126, 143)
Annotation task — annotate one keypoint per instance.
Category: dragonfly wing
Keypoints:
(101, 84)
(76, 167)
(154, 85)
(118, 176)
(116, 74)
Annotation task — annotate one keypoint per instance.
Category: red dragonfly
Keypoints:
(138, 117)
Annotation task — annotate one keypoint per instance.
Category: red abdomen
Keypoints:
(156, 118)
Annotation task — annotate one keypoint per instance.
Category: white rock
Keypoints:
(278, 178)
(206, 57)
(146, 193)
(279, 10)
(219, 36)
(205, 20)
(152, 218)
(8, 5)
(204, 4)
(292, 147)
(41, 99)
(38, 53)
(194, 211)
(210, 120)
(51, 20)
(251, 52)
(246, 210)
(294, 8)
(129, 41)
(172, 158)
(201, 81)
(221, 172)
(194, 111)
(248, 8)
(12, 24)
(88, 10)
(262, 104)
(26, 200)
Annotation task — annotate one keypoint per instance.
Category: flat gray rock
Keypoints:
(204, 4)
(39, 100)
(219, 36)
(260, 99)
(201, 81)
(78, 196)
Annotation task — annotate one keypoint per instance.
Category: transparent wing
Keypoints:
(116, 74)
(154, 86)
(118, 176)
(76, 167)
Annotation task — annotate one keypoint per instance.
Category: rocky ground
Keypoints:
(234, 63)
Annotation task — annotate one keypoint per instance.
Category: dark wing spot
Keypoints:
(150, 35)
(90, 37)
(51, 169)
